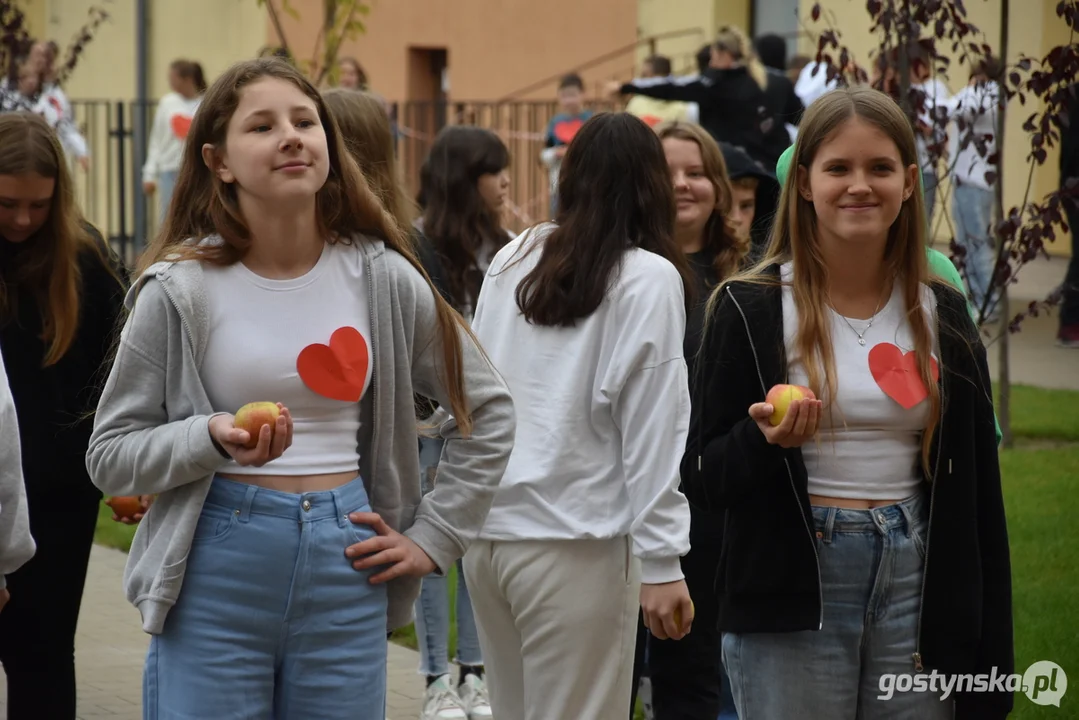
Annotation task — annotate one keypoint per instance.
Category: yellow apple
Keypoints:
(781, 397)
(252, 416)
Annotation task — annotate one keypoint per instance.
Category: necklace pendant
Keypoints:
(861, 341)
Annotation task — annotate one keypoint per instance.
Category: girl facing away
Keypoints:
(464, 184)
(279, 554)
(686, 674)
(586, 320)
(172, 121)
(865, 531)
(61, 298)
(366, 129)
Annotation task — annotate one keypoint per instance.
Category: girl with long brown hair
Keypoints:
(61, 294)
(288, 537)
(865, 535)
(686, 674)
(367, 132)
(586, 320)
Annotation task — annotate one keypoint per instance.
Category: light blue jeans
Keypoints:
(973, 210)
(871, 565)
(433, 605)
(272, 621)
(166, 184)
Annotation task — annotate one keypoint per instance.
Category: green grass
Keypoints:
(1041, 490)
(1043, 414)
(1041, 495)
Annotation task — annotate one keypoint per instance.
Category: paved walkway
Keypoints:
(111, 646)
(110, 649)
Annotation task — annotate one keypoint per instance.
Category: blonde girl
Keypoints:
(865, 532)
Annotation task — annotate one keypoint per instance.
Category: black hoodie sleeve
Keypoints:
(695, 91)
(727, 456)
(996, 648)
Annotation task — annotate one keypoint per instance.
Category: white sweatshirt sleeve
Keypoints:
(16, 544)
(651, 409)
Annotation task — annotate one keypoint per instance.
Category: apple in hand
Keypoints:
(252, 416)
(780, 398)
(125, 507)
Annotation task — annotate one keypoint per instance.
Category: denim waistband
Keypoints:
(901, 515)
(249, 500)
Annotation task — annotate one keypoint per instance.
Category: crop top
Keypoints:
(304, 342)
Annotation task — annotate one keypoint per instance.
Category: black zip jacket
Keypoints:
(768, 578)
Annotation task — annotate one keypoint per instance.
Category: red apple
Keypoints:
(125, 507)
(252, 416)
(780, 398)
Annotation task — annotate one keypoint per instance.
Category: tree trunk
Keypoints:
(1004, 381)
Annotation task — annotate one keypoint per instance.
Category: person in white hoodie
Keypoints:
(16, 544)
(974, 178)
(171, 123)
(585, 320)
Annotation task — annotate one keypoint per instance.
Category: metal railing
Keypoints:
(111, 197)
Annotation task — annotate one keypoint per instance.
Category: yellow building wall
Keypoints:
(1032, 30)
(655, 17)
(34, 10)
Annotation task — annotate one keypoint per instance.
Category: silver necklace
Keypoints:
(861, 335)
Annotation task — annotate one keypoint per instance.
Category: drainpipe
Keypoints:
(140, 111)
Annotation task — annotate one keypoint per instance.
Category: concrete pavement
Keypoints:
(110, 648)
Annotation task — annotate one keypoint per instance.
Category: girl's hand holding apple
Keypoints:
(129, 510)
(249, 437)
(792, 425)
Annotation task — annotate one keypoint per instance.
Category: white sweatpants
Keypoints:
(557, 623)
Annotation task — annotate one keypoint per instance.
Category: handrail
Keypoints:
(651, 39)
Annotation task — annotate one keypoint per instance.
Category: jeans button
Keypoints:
(306, 505)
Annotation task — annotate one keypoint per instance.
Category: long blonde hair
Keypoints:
(733, 40)
(48, 265)
(204, 205)
(719, 237)
(795, 239)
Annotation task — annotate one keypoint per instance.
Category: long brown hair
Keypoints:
(456, 218)
(795, 238)
(204, 205)
(365, 128)
(614, 194)
(728, 249)
(47, 264)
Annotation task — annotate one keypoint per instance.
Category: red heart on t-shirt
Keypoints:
(565, 130)
(338, 370)
(897, 375)
(651, 120)
(181, 124)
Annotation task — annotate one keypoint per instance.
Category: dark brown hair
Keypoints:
(608, 203)
(456, 219)
(365, 128)
(190, 70)
(203, 205)
(47, 264)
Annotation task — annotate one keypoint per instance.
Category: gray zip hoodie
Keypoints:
(151, 433)
(16, 544)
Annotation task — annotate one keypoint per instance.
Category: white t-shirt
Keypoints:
(602, 411)
(172, 120)
(304, 342)
(869, 447)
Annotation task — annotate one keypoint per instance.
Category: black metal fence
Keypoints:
(110, 192)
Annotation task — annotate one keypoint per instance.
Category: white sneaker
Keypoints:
(473, 693)
(440, 702)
